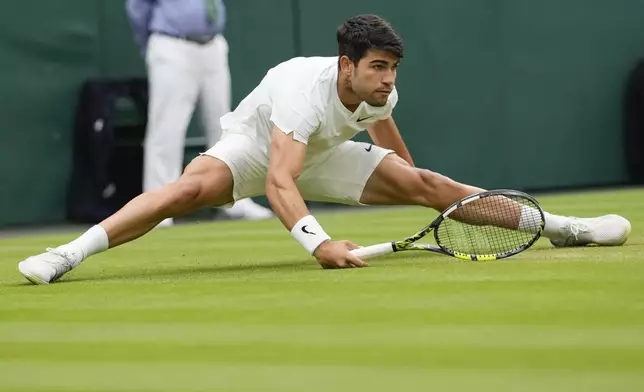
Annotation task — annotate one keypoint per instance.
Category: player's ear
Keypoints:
(346, 65)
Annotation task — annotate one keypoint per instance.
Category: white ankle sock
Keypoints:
(91, 242)
(529, 222)
(553, 224)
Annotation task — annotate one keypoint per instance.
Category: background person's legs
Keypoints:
(215, 88)
(173, 79)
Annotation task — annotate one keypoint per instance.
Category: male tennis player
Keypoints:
(290, 139)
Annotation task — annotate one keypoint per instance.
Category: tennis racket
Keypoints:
(485, 226)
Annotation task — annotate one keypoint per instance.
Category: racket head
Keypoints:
(490, 225)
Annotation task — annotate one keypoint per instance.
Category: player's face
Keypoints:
(373, 79)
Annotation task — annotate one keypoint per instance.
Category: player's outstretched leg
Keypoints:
(205, 182)
(394, 182)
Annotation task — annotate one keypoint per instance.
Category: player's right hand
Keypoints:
(335, 254)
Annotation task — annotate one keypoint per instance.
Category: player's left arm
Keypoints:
(385, 134)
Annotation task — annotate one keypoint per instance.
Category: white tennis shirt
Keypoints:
(300, 96)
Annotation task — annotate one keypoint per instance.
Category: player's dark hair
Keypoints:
(363, 32)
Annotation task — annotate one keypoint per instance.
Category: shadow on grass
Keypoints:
(179, 271)
(182, 271)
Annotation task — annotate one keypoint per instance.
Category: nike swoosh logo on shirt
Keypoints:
(364, 118)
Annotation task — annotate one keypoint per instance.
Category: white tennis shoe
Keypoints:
(607, 230)
(247, 209)
(47, 267)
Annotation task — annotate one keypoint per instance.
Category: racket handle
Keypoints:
(368, 252)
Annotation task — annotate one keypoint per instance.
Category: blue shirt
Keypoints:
(173, 17)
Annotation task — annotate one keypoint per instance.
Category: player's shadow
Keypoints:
(196, 270)
(294, 265)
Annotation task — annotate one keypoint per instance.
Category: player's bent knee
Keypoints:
(430, 189)
(183, 196)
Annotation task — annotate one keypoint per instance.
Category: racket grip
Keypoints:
(368, 252)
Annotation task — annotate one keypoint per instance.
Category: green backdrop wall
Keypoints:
(501, 93)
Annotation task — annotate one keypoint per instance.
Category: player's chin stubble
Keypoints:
(377, 102)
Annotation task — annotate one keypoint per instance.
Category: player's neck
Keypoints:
(348, 98)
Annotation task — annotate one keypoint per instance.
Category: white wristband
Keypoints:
(308, 232)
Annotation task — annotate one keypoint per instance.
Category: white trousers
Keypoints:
(180, 75)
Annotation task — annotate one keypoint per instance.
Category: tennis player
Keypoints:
(290, 140)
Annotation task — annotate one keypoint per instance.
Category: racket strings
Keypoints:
(490, 225)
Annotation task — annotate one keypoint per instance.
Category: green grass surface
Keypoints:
(238, 306)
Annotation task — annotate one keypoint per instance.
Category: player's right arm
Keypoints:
(285, 165)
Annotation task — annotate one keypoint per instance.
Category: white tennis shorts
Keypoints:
(337, 176)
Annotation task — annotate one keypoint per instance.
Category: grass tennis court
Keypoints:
(238, 306)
